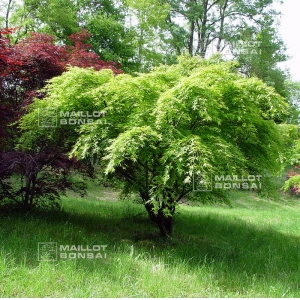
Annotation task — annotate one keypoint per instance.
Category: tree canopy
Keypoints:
(160, 129)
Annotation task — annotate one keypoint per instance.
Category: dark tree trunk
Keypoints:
(191, 40)
(164, 223)
(29, 191)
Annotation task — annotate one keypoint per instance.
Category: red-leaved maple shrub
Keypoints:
(25, 68)
(294, 189)
(43, 177)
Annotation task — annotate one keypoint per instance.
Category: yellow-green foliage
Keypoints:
(160, 128)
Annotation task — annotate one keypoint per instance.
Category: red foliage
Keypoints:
(25, 68)
(80, 38)
(41, 56)
(8, 59)
(82, 56)
(43, 177)
(290, 174)
(294, 189)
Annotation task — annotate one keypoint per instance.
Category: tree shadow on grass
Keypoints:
(244, 252)
(229, 248)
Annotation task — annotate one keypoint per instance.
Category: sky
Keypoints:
(289, 31)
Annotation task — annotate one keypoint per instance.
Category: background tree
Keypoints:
(112, 41)
(6, 9)
(142, 34)
(210, 23)
(259, 50)
(154, 44)
(171, 27)
(293, 97)
(162, 128)
(105, 20)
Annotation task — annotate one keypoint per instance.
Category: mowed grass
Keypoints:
(249, 250)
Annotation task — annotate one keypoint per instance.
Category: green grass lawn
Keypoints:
(249, 250)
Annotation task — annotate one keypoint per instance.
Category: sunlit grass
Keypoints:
(249, 250)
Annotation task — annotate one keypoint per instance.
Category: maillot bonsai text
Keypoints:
(80, 117)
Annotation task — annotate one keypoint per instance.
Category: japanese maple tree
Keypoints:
(163, 130)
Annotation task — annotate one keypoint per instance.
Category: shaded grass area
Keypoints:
(249, 250)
